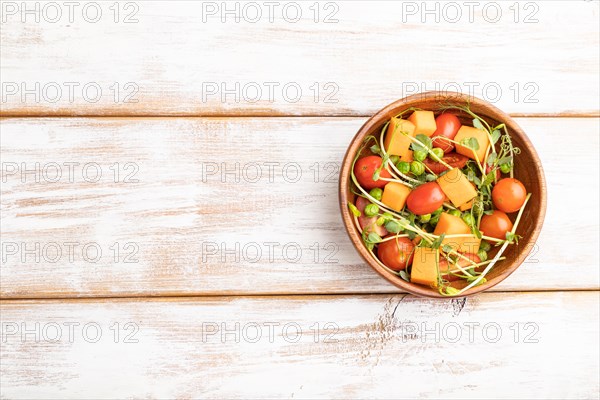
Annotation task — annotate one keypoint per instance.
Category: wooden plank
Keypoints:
(233, 206)
(519, 345)
(180, 58)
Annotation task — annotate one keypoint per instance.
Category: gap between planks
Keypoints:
(282, 295)
(584, 114)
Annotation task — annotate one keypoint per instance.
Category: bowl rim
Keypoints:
(344, 182)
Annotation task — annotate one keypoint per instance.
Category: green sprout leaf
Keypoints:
(404, 275)
(473, 278)
(512, 237)
(470, 175)
(489, 178)
(354, 210)
(393, 226)
(376, 149)
(424, 143)
(505, 160)
(477, 124)
(450, 291)
(388, 216)
(373, 238)
(495, 136)
(426, 140)
(470, 143)
(437, 242)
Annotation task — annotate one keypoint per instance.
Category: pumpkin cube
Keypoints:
(453, 225)
(457, 187)
(424, 268)
(396, 143)
(466, 132)
(424, 122)
(395, 195)
(467, 206)
(468, 244)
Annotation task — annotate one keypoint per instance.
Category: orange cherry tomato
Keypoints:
(509, 195)
(396, 254)
(496, 225)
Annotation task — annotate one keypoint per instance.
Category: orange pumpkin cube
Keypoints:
(467, 206)
(457, 187)
(424, 122)
(452, 225)
(394, 195)
(425, 266)
(395, 142)
(466, 132)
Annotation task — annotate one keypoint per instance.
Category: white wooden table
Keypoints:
(169, 219)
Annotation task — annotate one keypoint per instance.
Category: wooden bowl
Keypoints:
(528, 169)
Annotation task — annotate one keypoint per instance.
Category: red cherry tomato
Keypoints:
(368, 223)
(447, 126)
(509, 195)
(364, 170)
(495, 225)
(498, 173)
(425, 199)
(462, 262)
(396, 254)
(453, 159)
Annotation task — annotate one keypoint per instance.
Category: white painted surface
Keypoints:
(376, 53)
(198, 230)
(365, 347)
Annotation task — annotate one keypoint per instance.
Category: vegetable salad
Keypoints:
(437, 202)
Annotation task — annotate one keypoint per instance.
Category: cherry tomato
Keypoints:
(396, 254)
(495, 225)
(509, 195)
(447, 126)
(462, 262)
(425, 199)
(453, 159)
(368, 223)
(364, 170)
(498, 173)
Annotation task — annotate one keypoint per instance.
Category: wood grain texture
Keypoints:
(375, 53)
(186, 220)
(364, 347)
